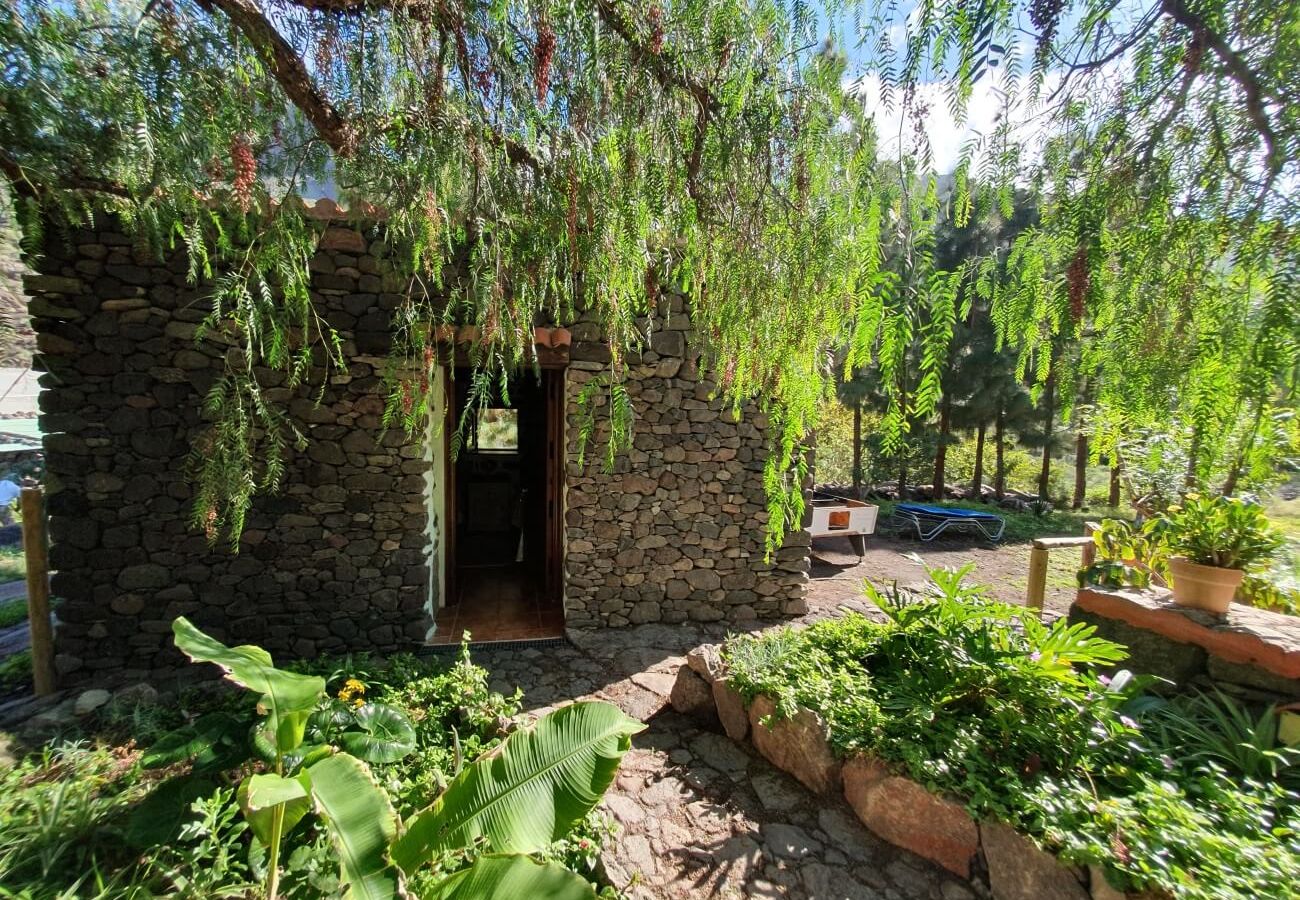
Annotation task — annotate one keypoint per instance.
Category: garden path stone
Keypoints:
(700, 815)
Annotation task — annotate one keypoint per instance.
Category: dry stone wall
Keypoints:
(336, 561)
(676, 531)
(339, 560)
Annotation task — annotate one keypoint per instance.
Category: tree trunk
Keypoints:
(902, 475)
(1113, 499)
(999, 465)
(941, 454)
(1049, 400)
(857, 450)
(977, 479)
(1080, 471)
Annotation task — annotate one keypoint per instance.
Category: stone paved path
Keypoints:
(704, 817)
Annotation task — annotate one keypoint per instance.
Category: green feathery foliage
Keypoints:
(535, 159)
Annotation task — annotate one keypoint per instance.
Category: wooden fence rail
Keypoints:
(1038, 555)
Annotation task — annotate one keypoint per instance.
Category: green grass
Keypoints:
(1023, 527)
(16, 670)
(13, 565)
(13, 611)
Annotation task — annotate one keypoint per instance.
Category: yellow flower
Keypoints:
(353, 692)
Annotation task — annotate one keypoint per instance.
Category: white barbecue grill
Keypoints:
(842, 517)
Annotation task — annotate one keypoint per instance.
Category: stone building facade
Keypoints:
(346, 556)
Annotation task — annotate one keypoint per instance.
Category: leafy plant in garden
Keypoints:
(519, 800)
(971, 697)
(1228, 532)
(1214, 728)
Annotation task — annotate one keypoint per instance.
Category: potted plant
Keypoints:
(1211, 542)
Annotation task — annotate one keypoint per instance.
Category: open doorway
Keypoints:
(504, 489)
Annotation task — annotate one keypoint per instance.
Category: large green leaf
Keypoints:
(258, 795)
(251, 667)
(159, 816)
(528, 792)
(217, 740)
(361, 825)
(386, 734)
(494, 877)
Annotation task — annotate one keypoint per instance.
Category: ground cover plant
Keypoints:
(366, 779)
(1017, 718)
(13, 565)
(12, 612)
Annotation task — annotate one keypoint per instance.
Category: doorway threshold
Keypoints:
(449, 648)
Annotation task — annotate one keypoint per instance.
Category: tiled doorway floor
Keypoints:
(498, 604)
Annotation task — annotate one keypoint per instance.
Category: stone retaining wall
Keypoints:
(1254, 653)
(1005, 863)
(339, 560)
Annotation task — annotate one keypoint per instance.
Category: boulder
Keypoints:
(91, 700)
(902, 812)
(706, 661)
(731, 710)
(692, 695)
(1020, 870)
(796, 745)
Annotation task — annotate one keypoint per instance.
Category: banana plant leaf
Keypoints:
(251, 667)
(386, 734)
(361, 825)
(494, 877)
(529, 790)
(258, 795)
(215, 741)
(159, 816)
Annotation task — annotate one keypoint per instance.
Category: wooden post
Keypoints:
(1037, 578)
(1089, 549)
(36, 548)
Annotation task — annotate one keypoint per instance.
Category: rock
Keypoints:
(138, 694)
(823, 882)
(778, 792)
(706, 661)
(721, 753)
(1020, 870)
(797, 745)
(89, 701)
(732, 712)
(660, 684)
(789, 842)
(1099, 887)
(142, 577)
(692, 695)
(902, 812)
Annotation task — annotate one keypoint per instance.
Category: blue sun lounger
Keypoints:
(931, 521)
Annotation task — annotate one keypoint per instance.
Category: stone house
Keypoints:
(378, 541)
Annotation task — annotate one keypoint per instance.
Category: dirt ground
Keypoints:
(837, 575)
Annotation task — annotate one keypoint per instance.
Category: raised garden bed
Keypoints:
(1066, 797)
(893, 806)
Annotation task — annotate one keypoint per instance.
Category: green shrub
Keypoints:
(1216, 531)
(170, 821)
(971, 697)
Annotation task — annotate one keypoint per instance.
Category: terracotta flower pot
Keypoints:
(1204, 587)
(542, 336)
(560, 337)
